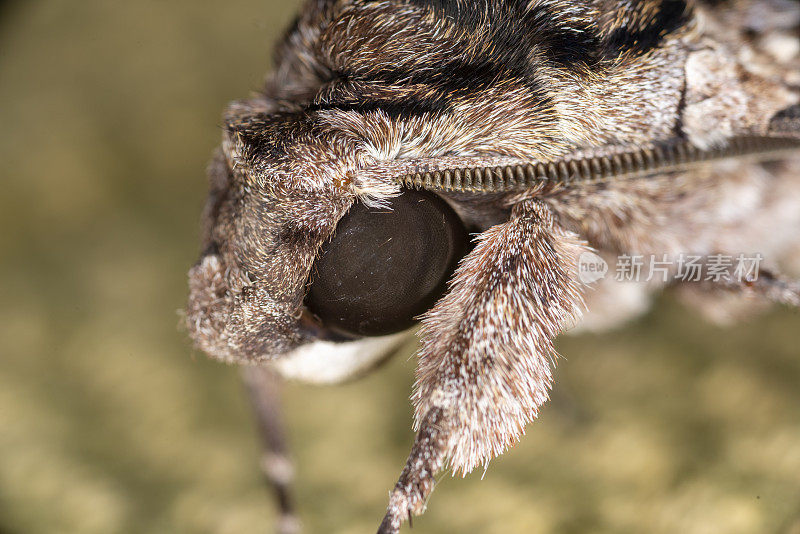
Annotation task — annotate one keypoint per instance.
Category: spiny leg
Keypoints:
(768, 285)
(263, 387)
(417, 478)
(743, 277)
(485, 365)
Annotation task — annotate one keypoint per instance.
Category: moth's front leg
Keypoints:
(485, 364)
(263, 388)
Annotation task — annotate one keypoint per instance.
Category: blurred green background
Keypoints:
(110, 423)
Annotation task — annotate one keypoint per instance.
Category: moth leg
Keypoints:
(786, 123)
(417, 480)
(263, 388)
(768, 285)
(485, 364)
(728, 301)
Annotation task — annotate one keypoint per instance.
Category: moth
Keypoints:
(448, 163)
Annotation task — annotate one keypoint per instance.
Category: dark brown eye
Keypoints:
(384, 266)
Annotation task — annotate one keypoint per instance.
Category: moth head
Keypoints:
(281, 269)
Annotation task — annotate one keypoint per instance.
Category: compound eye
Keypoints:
(383, 267)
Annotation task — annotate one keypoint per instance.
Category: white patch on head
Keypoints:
(328, 362)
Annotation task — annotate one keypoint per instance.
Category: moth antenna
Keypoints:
(636, 163)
